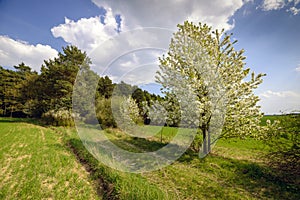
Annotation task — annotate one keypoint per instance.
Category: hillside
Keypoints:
(50, 162)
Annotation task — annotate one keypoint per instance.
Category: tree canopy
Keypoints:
(206, 62)
(25, 93)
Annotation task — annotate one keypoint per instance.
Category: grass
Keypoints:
(272, 118)
(36, 164)
(118, 185)
(51, 162)
(236, 169)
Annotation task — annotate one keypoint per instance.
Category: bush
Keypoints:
(104, 113)
(60, 117)
(284, 142)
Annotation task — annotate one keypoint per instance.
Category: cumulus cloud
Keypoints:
(290, 5)
(298, 68)
(87, 33)
(13, 52)
(273, 4)
(97, 38)
(168, 13)
(294, 10)
(274, 102)
(126, 58)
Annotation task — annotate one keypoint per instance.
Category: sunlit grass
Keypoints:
(36, 164)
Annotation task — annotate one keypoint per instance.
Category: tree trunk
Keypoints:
(4, 108)
(204, 145)
(11, 111)
(206, 141)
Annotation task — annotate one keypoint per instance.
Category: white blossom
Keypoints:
(207, 76)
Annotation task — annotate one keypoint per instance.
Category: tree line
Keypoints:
(48, 94)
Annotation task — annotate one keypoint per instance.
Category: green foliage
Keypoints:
(60, 117)
(58, 76)
(104, 113)
(105, 87)
(24, 93)
(15, 90)
(207, 63)
(284, 141)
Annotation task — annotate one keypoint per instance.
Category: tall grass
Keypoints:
(36, 164)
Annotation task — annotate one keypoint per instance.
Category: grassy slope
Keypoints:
(118, 185)
(234, 170)
(35, 164)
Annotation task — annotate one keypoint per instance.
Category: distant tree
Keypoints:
(139, 96)
(206, 62)
(8, 91)
(105, 87)
(104, 113)
(124, 89)
(14, 89)
(57, 78)
(26, 87)
(126, 114)
(2, 105)
(144, 99)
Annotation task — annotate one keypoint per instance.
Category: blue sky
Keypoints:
(34, 30)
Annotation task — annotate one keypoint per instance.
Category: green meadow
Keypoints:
(46, 162)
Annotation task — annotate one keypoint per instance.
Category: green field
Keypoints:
(40, 162)
(36, 164)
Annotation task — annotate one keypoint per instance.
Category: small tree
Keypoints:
(283, 138)
(126, 113)
(205, 62)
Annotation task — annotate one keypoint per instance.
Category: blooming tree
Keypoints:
(126, 113)
(208, 77)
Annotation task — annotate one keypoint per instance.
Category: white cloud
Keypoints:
(120, 55)
(140, 75)
(135, 67)
(298, 68)
(168, 13)
(130, 62)
(87, 33)
(273, 4)
(294, 10)
(268, 5)
(275, 102)
(296, 2)
(13, 52)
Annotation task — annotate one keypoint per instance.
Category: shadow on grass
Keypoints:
(260, 181)
(141, 143)
(114, 184)
(104, 185)
(33, 121)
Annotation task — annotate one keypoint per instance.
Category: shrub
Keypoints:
(60, 117)
(284, 142)
(104, 113)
